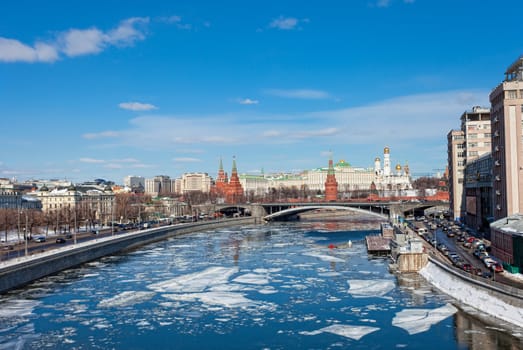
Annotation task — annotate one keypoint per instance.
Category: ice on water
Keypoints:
(197, 281)
(348, 331)
(125, 299)
(252, 278)
(324, 257)
(420, 320)
(225, 299)
(370, 288)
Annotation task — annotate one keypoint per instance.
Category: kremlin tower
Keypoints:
(221, 181)
(331, 185)
(233, 189)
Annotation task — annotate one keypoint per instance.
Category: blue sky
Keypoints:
(113, 88)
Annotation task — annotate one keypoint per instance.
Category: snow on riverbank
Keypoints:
(472, 296)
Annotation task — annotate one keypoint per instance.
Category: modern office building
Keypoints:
(158, 185)
(134, 182)
(469, 143)
(478, 194)
(507, 147)
(456, 165)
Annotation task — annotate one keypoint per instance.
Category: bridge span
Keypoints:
(292, 212)
(281, 210)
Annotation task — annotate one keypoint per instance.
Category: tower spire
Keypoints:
(234, 170)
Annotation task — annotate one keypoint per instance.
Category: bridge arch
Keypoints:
(297, 210)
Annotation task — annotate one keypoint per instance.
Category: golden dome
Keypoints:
(398, 167)
(377, 159)
(386, 150)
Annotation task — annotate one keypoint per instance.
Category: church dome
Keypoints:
(398, 167)
(377, 159)
(386, 150)
(44, 189)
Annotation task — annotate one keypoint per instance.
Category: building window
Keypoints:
(487, 134)
(510, 94)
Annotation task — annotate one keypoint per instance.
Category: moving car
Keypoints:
(60, 240)
(39, 239)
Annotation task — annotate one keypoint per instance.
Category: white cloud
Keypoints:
(306, 94)
(137, 106)
(128, 32)
(248, 101)
(286, 23)
(14, 51)
(77, 42)
(315, 133)
(187, 160)
(74, 42)
(177, 21)
(416, 124)
(383, 3)
(92, 160)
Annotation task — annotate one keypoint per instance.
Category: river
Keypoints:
(277, 286)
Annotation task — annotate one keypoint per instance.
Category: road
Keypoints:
(466, 254)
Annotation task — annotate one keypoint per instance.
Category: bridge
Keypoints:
(289, 210)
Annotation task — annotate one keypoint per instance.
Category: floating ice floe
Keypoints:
(324, 257)
(252, 278)
(225, 299)
(126, 298)
(420, 320)
(353, 332)
(17, 308)
(197, 281)
(370, 288)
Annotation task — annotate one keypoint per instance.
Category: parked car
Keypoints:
(7, 247)
(486, 274)
(60, 240)
(496, 267)
(467, 267)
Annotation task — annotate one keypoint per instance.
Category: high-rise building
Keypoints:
(134, 182)
(158, 185)
(456, 164)
(469, 143)
(507, 148)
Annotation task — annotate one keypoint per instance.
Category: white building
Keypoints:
(191, 182)
(387, 181)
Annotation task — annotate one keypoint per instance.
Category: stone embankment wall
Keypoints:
(501, 301)
(17, 273)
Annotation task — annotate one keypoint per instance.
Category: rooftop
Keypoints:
(512, 223)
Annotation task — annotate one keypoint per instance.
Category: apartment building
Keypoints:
(507, 148)
(466, 145)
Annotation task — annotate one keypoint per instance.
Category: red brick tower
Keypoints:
(331, 185)
(234, 190)
(221, 181)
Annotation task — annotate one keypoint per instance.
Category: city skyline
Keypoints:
(97, 89)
